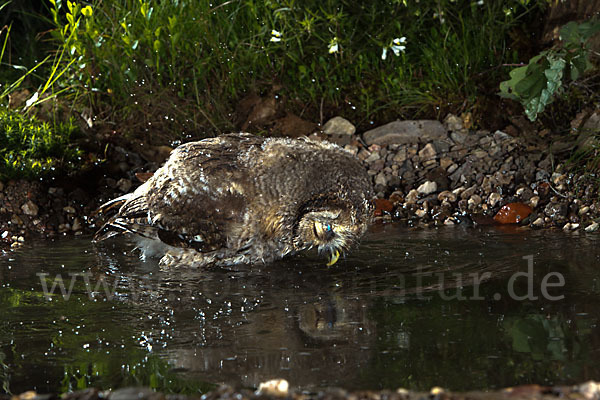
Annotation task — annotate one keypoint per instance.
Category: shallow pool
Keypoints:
(458, 307)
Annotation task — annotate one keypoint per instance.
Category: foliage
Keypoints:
(187, 63)
(31, 148)
(535, 84)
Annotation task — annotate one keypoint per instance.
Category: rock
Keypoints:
(474, 200)
(275, 387)
(363, 154)
(453, 123)
(420, 213)
(427, 153)
(339, 126)
(584, 210)
(62, 228)
(448, 221)
(512, 213)
(373, 156)
(400, 156)
(493, 199)
(16, 220)
(69, 210)
(539, 222)
(427, 188)
(541, 175)
(570, 226)
(397, 197)
(459, 137)
(533, 201)
(124, 185)
(29, 208)
(452, 168)
(556, 210)
(593, 227)
(411, 197)
(380, 179)
(448, 196)
(404, 132)
(378, 165)
(467, 193)
(500, 136)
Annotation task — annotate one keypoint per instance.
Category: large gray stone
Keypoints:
(405, 132)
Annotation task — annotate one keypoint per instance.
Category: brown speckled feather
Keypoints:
(242, 198)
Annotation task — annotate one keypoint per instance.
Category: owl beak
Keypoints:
(333, 258)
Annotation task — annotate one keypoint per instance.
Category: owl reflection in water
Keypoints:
(240, 198)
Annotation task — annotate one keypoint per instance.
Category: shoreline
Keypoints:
(425, 173)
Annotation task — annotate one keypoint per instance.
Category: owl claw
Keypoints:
(333, 259)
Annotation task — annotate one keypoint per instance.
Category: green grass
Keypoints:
(31, 148)
(174, 68)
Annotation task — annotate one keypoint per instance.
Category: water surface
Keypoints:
(410, 308)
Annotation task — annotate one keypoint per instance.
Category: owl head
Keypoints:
(333, 227)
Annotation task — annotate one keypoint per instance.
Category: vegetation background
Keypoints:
(81, 74)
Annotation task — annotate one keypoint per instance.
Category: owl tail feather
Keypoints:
(112, 206)
(110, 229)
(117, 225)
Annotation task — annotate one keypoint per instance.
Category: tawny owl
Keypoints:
(240, 198)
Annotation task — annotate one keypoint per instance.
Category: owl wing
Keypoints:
(194, 200)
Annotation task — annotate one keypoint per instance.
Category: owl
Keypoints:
(239, 198)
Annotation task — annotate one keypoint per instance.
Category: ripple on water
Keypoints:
(410, 308)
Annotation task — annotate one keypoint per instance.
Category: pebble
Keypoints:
(593, 227)
(570, 226)
(428, 152)
(339, 126)
(30, 208)
(411, 197)
(448, 196)
(539, 222)
(275, 387)
(494, 198)
(474, 200)
(533, 201)
(427, 188)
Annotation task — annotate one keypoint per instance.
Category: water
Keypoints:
(377, 319)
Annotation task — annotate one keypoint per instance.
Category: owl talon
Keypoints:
(333, 259)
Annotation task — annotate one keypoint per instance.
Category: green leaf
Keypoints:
(570, 34)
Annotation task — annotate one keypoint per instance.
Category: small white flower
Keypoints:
(333, 46)
(32, 100)
(275, 36)
(398, 46)
(480, 3)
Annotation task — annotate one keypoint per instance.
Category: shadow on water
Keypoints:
(459, 308)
